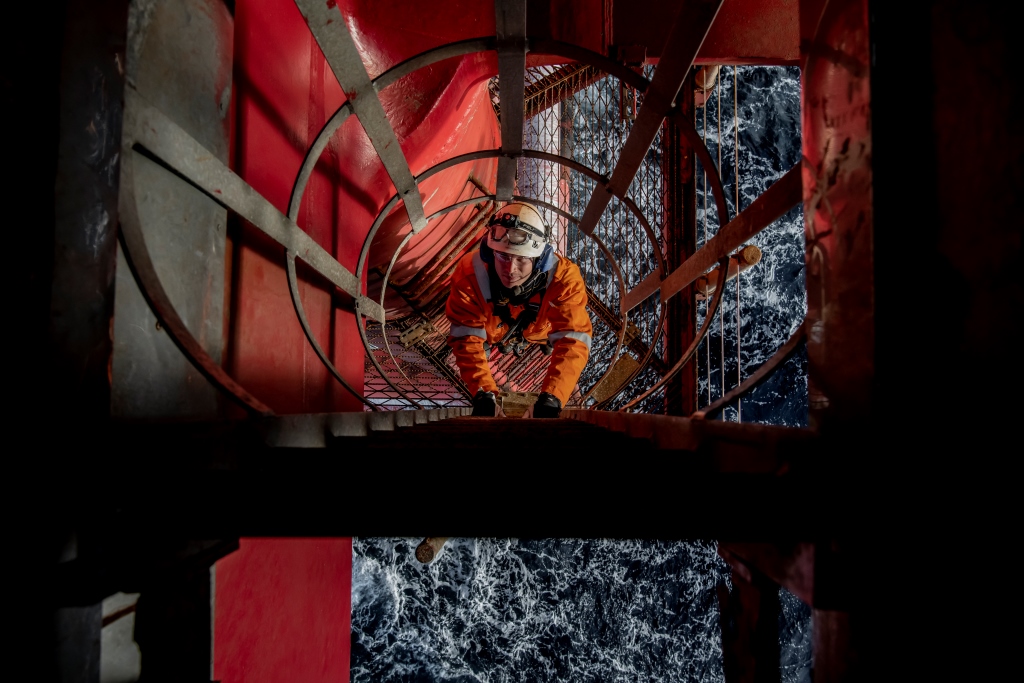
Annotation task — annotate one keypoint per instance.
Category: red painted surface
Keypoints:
(744, 31)
(284, 93)
(754, 32)
(282, 612)
(437, 113)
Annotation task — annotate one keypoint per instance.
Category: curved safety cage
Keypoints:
(148, 132)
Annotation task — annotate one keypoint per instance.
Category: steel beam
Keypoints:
(685, 38)
(155, 134)
(782, 196)
(327, 25)
(510, 23)
(147, 131)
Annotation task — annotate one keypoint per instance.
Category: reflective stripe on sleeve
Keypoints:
(551, 273)
(482, 279)
(580, 336)
(463, 331)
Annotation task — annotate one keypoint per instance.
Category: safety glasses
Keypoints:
(507, 259)
(508, 228)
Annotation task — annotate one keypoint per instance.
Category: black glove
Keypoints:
(484, 404)
(547, 405)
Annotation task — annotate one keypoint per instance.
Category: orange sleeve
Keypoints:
(571, 332)
(467, 314)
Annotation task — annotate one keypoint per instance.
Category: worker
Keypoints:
(514, 292)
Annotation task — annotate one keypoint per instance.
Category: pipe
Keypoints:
(429, 548)
(740, 261)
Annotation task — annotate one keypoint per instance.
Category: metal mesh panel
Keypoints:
(589, 123)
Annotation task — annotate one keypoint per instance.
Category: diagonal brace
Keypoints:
(328, 27)
(685, 38)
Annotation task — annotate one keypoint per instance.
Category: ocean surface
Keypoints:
(572, 610)
(762, 115)
(503, 610)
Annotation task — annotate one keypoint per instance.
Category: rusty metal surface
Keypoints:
(623, 370)
(429, 548)
(621, 336)
(629, 336)
(180, 59)
(738, 447)
(759, 375)
(740, 262)
(327, 25)
(652, 282)
(510, 24)
(679, 167)
(838, 215)
(790, 565)
(689, 131)
(749, 615)
(685, 38)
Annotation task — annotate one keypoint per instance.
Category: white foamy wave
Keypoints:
(500, 610)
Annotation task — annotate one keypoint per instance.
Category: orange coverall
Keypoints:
(562, 320)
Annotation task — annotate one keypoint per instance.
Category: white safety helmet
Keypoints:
(517, 229)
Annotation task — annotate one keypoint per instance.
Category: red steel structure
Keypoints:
(231, 179)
